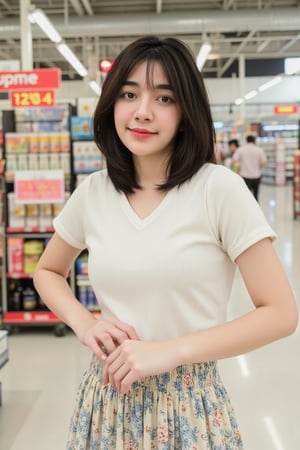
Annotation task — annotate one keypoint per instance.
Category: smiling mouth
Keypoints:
(138, 132)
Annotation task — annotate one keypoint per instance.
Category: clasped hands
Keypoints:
(126, 358)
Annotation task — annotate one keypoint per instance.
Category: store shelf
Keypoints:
(280, 163)
(296, 185)
(3, 354)
(30, 317)
(17, 275)
(30, 226)
(31, 230)
(36, 140)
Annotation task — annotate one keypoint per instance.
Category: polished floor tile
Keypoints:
(40, 380)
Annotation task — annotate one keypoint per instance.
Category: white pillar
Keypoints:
(25, 36)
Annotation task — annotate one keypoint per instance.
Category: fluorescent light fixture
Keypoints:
(270, 83)
(65, 50)
(291, 65)
(239, 101)
(95, 87)
(251, 94)
(203, 54)
(37, 16)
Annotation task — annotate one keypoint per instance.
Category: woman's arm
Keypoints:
(50, 280)
(274, 317)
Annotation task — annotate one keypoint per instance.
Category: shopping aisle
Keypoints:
(40, 381)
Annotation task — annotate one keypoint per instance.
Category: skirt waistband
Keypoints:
(202, 374)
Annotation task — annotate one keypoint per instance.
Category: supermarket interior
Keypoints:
(50, 81)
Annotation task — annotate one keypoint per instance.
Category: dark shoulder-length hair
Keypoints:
(194, 143)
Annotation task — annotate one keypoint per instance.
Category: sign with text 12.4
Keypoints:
(36, 98)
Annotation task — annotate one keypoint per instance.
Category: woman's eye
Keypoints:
(165, 99)
(128, 95)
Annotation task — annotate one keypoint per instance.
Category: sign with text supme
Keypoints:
(30, 80)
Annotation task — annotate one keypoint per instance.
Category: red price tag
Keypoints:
(27, 99)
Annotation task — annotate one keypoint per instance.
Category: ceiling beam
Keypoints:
(237, 51)
(77, 7)
(88, 7)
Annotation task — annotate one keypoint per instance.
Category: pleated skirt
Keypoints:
(186, 409)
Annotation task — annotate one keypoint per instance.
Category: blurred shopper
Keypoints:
(250, 159)
(233, 145)
(166, 228)
(220, 153)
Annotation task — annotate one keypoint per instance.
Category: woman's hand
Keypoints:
(104, 336)
(134, 360)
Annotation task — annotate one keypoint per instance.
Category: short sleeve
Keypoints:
(69, 223)
(236, 218)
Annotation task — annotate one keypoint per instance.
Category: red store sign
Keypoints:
(30, 80)
(33, 98)
(285, 109)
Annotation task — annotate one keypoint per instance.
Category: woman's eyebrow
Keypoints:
(156, 86)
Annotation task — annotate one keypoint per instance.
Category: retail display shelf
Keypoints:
(30, 317)
(3, 348)
(18, 275)
(296, 185)
(27, 226)
(83, 280)
(30, 230)
(35, 317)
(3, 355)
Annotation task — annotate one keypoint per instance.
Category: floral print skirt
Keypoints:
(186, 409)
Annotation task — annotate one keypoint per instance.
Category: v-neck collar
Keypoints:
(135, 219)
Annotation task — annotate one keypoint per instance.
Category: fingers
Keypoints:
(117, 379)
(120, 369)
(104, 336)
(105, 376)
(127, 329)
(97, 348)
(115, 370)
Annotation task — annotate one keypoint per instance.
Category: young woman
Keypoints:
(165, 228)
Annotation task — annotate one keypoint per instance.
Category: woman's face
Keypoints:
(147, 117)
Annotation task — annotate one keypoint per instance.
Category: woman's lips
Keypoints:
(141, 133)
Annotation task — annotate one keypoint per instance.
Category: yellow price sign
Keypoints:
(27, 99)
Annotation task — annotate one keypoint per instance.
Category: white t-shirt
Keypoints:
(171, 273)
(250, 159)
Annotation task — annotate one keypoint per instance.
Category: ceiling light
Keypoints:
(65, 50)
(37, 16)
(270, 83)
(239, 101)
(203, 54)
(95, 87)
(251, 94)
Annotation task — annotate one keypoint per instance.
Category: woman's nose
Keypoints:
(143, 110)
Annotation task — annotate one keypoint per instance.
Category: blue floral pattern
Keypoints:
(186, 409)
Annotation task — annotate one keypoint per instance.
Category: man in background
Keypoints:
(233, 145)
(251, 159)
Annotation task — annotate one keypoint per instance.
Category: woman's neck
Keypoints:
(150, 173)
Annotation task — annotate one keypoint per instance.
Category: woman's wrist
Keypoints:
(81, 324)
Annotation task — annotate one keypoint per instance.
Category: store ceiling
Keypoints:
(264, 31)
